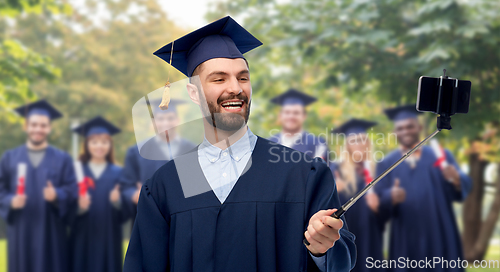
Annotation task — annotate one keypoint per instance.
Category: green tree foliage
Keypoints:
(357, 43)
(21, 65)
(104, 50)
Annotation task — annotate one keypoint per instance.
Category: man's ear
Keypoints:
(25, 125)
(193, 93)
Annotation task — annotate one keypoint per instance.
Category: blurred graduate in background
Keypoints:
(142, 162)
(37, 188)
(292, 116)
(418, 196)
(352, 173)
(96, 233)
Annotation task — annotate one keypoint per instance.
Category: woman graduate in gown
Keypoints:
(96, 236)
(351, 174)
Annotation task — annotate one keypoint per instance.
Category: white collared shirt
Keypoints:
(222, 168)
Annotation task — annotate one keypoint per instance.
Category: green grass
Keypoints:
(125, 246)
(3, 255)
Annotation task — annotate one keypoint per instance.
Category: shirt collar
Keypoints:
(237, 150)
(291, 139)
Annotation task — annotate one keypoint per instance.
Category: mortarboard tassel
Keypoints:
(165, 98)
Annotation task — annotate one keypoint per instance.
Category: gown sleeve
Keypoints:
(465, 180)
(321, 194)
(5, 190)
(151, 228)
(67, 191)
(128, 180)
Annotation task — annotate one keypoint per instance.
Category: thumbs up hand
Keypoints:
(49, 192)
(135, 197)
(372, 201)
(398, 194)
(84, 202)
(114, 196)
(18, 202)
(339, 182)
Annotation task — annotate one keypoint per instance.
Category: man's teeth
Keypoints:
(232, 105)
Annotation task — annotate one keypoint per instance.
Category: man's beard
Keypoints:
(37, 143)
(226, 121)
(410, 143)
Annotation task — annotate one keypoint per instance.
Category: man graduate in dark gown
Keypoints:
(352, 173)
(292, 116)
(141, 162)
(96, 225)
(418, 197)
(231, 205)
(35, 204)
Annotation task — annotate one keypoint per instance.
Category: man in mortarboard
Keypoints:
(37, 188)
(292, 116)
(142, 162)
(421, 188)
(230, 205)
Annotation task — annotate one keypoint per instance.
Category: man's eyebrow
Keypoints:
(244, 72)
(220, 73)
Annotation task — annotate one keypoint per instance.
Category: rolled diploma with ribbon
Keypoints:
(82, 185)
(21, 178)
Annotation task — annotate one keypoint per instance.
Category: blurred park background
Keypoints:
(357, 56)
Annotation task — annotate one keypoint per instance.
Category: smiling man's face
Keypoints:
(226, 92)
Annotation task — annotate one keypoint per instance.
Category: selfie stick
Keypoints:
(443, 123)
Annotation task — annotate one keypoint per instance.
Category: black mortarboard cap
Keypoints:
(224, 38)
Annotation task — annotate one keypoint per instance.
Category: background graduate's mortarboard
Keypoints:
(40, 107)
(354, 126)
(97, 125)
(224, 38)
(402, 112)
(292, 97)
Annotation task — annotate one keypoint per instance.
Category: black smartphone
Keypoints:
(443, 95)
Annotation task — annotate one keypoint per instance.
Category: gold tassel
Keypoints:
(165, 99)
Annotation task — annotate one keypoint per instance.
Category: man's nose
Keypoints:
(234, 86)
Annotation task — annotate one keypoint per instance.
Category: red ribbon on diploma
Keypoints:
(85, 185)
(21, 178)
(20, 186)
(439, 162)
(440, 155)
(367, 175)
(366, 172)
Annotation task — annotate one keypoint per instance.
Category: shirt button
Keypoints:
(236, 158)
(224, 175)
(224, 154)
(213, 160)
